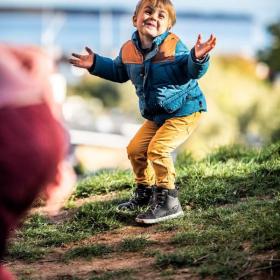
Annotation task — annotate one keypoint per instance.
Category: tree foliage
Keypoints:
(106, 91)
(271, 55)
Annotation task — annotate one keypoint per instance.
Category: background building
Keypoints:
(69, 25)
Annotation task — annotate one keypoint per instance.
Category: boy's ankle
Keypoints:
(142, 197)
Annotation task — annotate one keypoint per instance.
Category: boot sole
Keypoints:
(161, 219)
(138, 210)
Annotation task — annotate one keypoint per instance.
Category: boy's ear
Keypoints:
(170, 25)
(134, 20)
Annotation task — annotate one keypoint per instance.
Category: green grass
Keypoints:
(26, 251)
(134, 244)
(225, 176)
(231, 200)
(234, 197)
(223, 233)
(87, 252)
(39, 233)
(104, 182)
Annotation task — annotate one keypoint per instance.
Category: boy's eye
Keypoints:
(148, 12)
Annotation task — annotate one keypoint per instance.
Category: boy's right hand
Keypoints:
(83, 60)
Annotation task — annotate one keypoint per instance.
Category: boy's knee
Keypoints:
(133, 150)
(157, 150)
(153, 153)
(129, 149)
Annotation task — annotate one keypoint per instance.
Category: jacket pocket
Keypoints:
(179, 97)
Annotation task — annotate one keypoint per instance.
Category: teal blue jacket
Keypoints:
(165, 78)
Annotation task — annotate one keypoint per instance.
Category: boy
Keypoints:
(164, 73)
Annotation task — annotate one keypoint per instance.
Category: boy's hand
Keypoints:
(201, 49)
(83, 60)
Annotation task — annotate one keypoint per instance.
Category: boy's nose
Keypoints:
(153, 17)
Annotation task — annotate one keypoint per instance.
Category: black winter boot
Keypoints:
(141, 197)
(165, 206)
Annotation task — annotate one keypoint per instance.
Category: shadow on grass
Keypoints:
(219, 190)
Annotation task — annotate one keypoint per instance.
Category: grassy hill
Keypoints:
(231, 227)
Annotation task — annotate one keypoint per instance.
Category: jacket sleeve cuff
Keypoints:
(199, 60)
(92, 67)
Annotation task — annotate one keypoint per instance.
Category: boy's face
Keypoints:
(151, 21)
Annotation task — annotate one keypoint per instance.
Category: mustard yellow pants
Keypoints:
(150, 149)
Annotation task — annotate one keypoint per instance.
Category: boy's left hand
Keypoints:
(201, 49)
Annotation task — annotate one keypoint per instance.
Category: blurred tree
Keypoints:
(101, 89)
(271, 55)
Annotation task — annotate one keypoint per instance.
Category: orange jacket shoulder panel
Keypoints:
(167, 49)
(130, 54)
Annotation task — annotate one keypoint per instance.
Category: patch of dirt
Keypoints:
(82, 269)
(268, 270)
(143, 267)
(52, 267)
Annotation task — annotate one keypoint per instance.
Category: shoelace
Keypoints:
(138, 196)
(159, 201)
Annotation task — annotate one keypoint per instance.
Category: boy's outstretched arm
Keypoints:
(100, 66)
(83, 61)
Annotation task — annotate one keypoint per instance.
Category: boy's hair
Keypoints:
(167, 5)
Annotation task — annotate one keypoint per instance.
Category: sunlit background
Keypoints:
(242, 85)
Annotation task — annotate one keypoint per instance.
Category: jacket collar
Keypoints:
(156, 42)
(159, 39)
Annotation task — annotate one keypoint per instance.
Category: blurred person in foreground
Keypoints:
(33, 142)
(164, 73)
